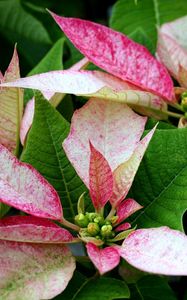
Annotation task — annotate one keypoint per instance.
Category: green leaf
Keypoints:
(103, 288)
(44, 152)
(140, 20)
(152, 287)
(18, 26)
(3, 209)
(51, 61)
(160, 184)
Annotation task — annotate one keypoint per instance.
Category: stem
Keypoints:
(111, 213)
(70, 225)
(172, 114)
(177, 106)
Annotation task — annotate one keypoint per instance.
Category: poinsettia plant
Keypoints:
(101, 153)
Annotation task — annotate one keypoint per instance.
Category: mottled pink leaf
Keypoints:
(90, 84)
(172, 45)
(157, 250)
(33, 271)
(32, 229)
(21, 186)
(100, 179)
(124, 174)
(123, 227)
(117, 54)
(26, 121)
(104, 259)
(11, 107)
(107, 125)
(126, 209)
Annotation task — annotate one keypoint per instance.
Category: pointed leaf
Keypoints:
(107, 124)
(21, 186)
(161, 180)
(44, 151)
(126, 209)
(122, 227)
(11, 108)
(26, 121)
(80, 204)
(172, 45)
(90, 84)
(34, 272)
(157, 250)
(125, 173)
(104, 259)
(32, 229)
(122, 235)
(100, 179)
(118, 55)
(103, 288)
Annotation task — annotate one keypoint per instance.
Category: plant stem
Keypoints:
(70, 225)
(111, 213)
(177, 106)
(172, 114)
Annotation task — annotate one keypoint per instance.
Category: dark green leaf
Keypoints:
(18, 26)
(103, 289)
(161, 181)
(44, 151)
(152, 287)
(140, 19)
(3, 209)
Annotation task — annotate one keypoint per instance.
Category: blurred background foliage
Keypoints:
(27, 23)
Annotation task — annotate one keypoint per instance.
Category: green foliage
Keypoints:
(44, 152)
(3, 209)
(18, 26)
(151, 287)
(51, 61)
(103, 288)
(140, 19)
(160, 184)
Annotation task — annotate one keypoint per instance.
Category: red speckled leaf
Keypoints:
(100, 179)
(157, 250)
(21, 186)
(126, 209)
(107, 125)
(125, 173)
(117, 54)
(122, 227)
(104, 259)
(33, 271)
(172, 45)
(32, 229)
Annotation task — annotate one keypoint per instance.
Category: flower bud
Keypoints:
(81, 220)
(106, 231)
(184, 101)
(99, 220)
(114, 219)
(91, 216)
(93, 229)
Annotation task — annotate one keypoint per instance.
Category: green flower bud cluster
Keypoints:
(94, 225)
(184, 101)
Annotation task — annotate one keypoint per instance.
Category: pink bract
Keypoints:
(126, 209)
(21, 186)
(104, 259)
(156, 250)
(118, 55)
(33, 229)
(34, 271)
(100, 179)
(107, 125)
